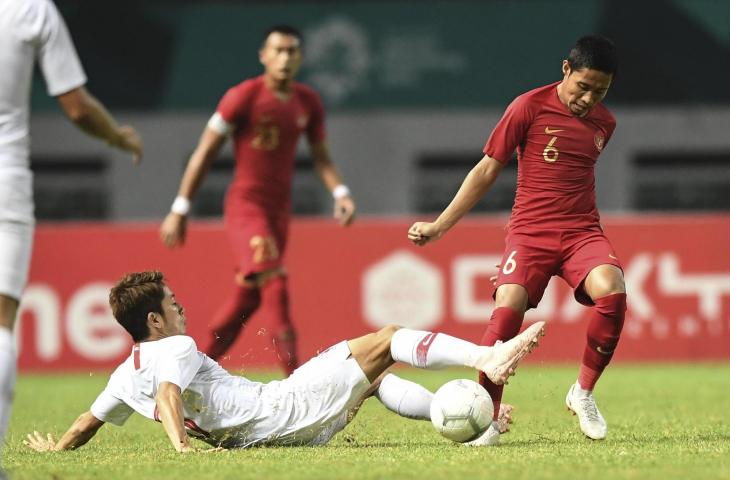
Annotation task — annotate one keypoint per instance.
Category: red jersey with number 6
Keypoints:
(556, 153)
(267, 130)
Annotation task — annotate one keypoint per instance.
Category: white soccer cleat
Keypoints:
(489, 438)
(582, 404)
(500, 361)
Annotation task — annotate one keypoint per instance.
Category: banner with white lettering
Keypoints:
(347, 282)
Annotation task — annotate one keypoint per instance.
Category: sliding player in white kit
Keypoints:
(168, 380)
(33, 31)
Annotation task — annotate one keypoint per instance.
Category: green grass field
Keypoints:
(665, 421)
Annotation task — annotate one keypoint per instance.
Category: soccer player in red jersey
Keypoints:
(558, 131)
(265, 117)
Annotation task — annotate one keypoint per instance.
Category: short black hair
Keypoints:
(133, 297)
(594, 52)
(284, 29)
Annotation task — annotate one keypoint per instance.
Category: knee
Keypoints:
(383, 339)
(603, 281)
(512, 296)
(609, 288)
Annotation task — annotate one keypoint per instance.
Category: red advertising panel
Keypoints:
(347, 282)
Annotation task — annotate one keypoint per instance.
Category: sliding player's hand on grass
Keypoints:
(36, 441)
(203, 450)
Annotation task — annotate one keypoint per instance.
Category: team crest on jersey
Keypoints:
(599, 139)
(302, 121)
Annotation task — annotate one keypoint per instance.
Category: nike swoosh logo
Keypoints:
(611, 256)
(550, 131)
(427, 341)
(603, 352)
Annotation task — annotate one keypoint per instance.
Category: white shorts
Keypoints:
(323, 391)
(16, 243)
(16, 229)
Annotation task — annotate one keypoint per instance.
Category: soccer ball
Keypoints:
(461, 410)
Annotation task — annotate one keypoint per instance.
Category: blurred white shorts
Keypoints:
(16, 243)
(16, 229)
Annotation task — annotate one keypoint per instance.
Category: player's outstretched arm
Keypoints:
(475, 186)
(82, 430)
(173, 228)
(169, 406)
(345, 207)
(90, 115)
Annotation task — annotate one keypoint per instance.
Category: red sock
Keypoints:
(504, 325)
(604, 329)
(230, 318)
(283, 336)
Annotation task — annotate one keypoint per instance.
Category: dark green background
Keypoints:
(159, 56)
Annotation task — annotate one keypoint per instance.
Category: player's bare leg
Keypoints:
(372, 351)
(8, 313)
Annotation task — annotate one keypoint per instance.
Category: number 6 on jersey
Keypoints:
(510, 264)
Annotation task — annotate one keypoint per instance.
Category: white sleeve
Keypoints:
(180, 363)
(218, 124)
(57, 56)
(109, 408)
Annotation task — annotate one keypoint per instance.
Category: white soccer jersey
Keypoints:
(228, 410)
(30, 30)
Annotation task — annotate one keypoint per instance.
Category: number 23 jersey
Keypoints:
(266, 130)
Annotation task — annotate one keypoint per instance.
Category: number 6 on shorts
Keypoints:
(510, 264)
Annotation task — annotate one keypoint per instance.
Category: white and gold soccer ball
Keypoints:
(461, 410)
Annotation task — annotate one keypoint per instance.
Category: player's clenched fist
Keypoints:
(345, 210)
(421, 233)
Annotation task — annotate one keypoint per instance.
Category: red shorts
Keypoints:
(532, 257)
(258, 241)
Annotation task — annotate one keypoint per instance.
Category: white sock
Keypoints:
(579, 392)
(430, 350)
(7, 379)
(405, 398)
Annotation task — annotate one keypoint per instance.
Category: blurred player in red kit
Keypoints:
(558, 131)
(265, 116)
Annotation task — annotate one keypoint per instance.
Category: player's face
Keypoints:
(281, 56)
(582, 89)
(173, 314)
